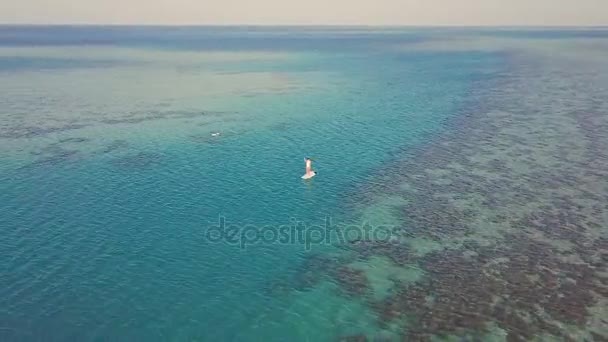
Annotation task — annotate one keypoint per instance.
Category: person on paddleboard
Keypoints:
(309, 172)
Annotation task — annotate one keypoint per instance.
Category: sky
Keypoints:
(308, 12)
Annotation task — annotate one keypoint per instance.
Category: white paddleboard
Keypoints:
(309, 176)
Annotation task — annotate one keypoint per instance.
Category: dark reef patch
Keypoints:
(352, 282)
(35, 131)
(138, 117)
(318, 267)
(114, 146)
(75, 140)
(314, 269)
(53, 154)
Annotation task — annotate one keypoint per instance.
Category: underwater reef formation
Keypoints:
(521, 287)
(514, 200)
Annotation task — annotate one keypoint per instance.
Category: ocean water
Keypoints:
(475, 157)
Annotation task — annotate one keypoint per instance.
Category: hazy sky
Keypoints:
(268, 12)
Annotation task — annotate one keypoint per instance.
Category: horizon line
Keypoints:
(310, 25)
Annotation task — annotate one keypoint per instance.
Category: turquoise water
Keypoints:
(111, 179)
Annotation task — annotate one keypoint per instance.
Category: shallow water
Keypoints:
(481, 152)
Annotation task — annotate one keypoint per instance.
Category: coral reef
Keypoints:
(515, 194)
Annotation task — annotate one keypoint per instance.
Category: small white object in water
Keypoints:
(309, 175)
(309, 172)
(215, 134)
